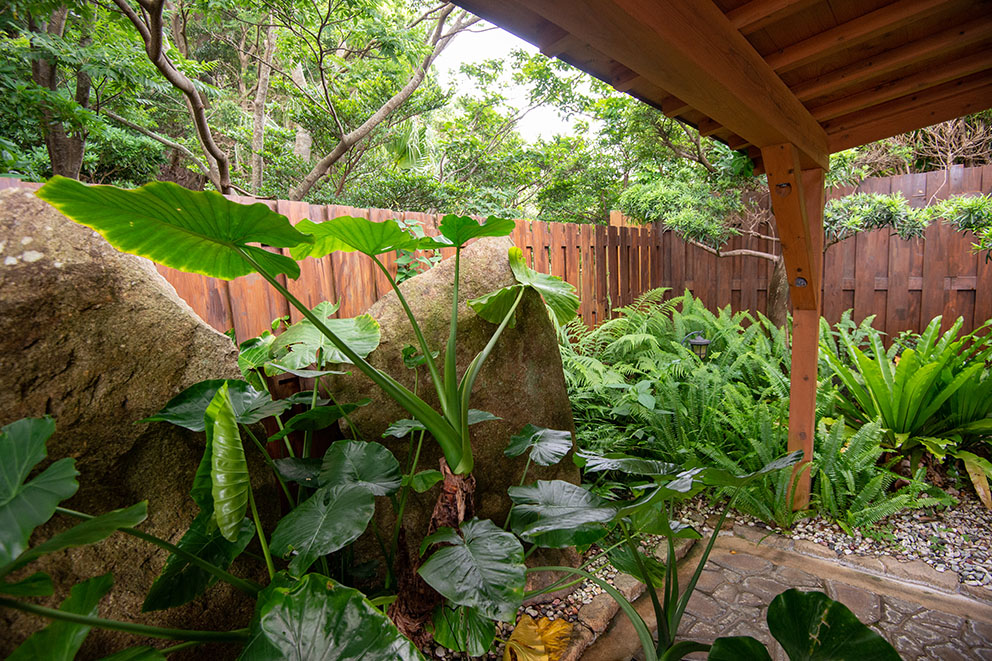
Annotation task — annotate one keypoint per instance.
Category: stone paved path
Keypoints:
(923, 613)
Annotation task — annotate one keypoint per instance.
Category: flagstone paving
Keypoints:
(925, 614)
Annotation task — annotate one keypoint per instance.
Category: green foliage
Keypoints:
(863, 212)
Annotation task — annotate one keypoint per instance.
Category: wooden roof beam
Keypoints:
(825, 43)
(932, 106)
(672, 106)
(952, 39)
(915, 82)
(756, 14)
(727, 80)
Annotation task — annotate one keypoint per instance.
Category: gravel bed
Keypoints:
(957, 539)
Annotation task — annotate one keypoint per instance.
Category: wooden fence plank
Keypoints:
(646, 257)
(602, 273)
(936, 262)
(613, 271)
(572, 256)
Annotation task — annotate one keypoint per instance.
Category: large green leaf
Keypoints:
(737, 648)
(368, 465)
(558, 294)
(547, 446)
(424, 480)
(482, 569)
(349, 234)
(196, 232)
(812, 627)
(462, 629)
(60, 641)
(615, 461)
(188, 407)
(25, 506)
(298, 346)
(329, 520)
(38, 584)
(723, 478)
(180, 582)
(88, 532)
(459, 230)
(405, 427)
(623, 559)
(318, 619)
(228, 466)
(556, 514)
(300, 470)
(317, 418)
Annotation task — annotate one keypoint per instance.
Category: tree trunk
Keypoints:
(304, 141)
(258, 108)
(778, 295)
(65, 147)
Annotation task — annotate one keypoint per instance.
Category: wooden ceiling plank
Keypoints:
(673, 106)
(854, 31)
(757, 14)
(932, 106)
(623, 78)
(736, 142)
(946, 41)
(914, 82)
(708, 127)
(727, 80)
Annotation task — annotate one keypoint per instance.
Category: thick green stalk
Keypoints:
(402, 501)
(684, 600)
(249, 587)
(428, 356)
(261, 535)
(468, 381)
(643, 633)
(560, 582)
(271, 464)
(659, 612)
(236, 636)
(450, 373)
(446, 435)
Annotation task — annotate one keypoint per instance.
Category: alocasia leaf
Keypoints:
(298, 346)
(556, 514)
(812, 627)
(459, 230)
(188, 407)
(318, 619)
(228, 466)
(482, 569)
(368, 465)
(424, 480)
(60, 640)
(196, 232)
(462, 629)
(349, 234)
(329, 520)
(547, 446)
(559, 295)
(735, 648)
(317, 418)
(26, 505)
(38, 584)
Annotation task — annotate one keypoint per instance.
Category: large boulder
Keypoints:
(522, 381)
(98, 340)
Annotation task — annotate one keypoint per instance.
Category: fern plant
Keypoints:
(851, 488)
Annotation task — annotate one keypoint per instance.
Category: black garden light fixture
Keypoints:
(697, 343)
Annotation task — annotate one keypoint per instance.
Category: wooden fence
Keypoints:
(903, 283)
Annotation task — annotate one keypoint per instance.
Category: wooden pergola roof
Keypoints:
(824, 75)
(790, 81)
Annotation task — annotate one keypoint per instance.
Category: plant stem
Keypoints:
(271, 464)
(180, 646)
(450, 374)
(523, 478)
(428, 356)
(261, 534)
(334, 400)
(643, 633)
(249, 587)
(308, 435)
(236, 636)
(659, 612)
(402, 504)
(447, 436)
(559, 583)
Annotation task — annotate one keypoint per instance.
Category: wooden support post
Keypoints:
(797, 200)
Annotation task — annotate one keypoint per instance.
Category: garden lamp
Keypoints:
(697, 343)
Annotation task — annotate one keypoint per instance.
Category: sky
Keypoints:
(497, 43)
